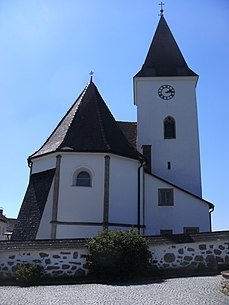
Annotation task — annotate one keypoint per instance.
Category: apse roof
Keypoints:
(88, 126)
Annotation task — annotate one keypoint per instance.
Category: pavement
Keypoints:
(176, 291)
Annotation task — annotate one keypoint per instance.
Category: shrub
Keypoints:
(29, 274)
(118, 255)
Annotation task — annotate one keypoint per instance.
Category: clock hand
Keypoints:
(169, 91)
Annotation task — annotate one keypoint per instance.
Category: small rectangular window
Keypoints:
(191, 230)
(169, 165)
(165, 197)
(166, 232)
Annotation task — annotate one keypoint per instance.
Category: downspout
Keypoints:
(146, 162)
(143, 198)
(142, 163)
(210, 219)
(30, 165)
(55, 197)
(106, 192)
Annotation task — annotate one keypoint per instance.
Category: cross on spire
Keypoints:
(91, 74)
(161, 10)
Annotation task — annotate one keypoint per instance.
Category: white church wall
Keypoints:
(44, 230)
(123, 190)
(77, 204)
(43, 163)
(79, 231)
(80, 203)
(183, 151)
(187, 211)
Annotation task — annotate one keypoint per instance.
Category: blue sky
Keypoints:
(48, 48)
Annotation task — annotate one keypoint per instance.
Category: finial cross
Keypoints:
(161, 10)
(91, 74)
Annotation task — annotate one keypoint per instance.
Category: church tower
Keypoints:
(165, 96)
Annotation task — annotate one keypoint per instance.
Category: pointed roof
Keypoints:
(88, 126)
(164, 57)
(33, 205)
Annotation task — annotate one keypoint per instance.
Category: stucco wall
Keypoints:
(79, 203)
(123, 199)
(43, 163)
(182, 152)
(76, 203)
(44, 230)
(84, 231)
(187, 211)
(80, 212)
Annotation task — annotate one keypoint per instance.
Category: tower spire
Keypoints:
(161, 10)
(164, 57)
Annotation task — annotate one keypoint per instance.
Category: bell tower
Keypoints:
(165, 96)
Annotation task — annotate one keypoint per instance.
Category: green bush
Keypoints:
(118, 255)
(29, 273)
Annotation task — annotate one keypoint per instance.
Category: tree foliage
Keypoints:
(28, 274)
(118, 255)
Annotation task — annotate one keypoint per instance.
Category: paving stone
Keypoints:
(178, 291)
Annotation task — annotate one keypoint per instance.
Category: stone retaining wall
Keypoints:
(202, 251)
(68, 257)
(62, 261)
(201, 256)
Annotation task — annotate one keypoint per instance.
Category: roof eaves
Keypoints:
(136, 156)
(211, 205)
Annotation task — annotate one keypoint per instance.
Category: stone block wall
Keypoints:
(199, 255)
(68, 257)
(64, 261)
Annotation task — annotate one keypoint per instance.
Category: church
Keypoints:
(96, 173)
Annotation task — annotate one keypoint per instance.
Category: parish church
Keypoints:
(96, 173)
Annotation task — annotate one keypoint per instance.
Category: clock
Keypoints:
(166, 92)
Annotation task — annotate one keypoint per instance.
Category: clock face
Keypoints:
(166, 92)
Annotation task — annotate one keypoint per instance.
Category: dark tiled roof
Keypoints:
(10, 224)
(129, 130)
(33, 205)
(88, 126)
(189, 238)
(164, 57)
(43, 244)
(47, 244)
(3, 218)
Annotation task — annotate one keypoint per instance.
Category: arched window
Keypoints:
(83, 179)
(169, 128)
